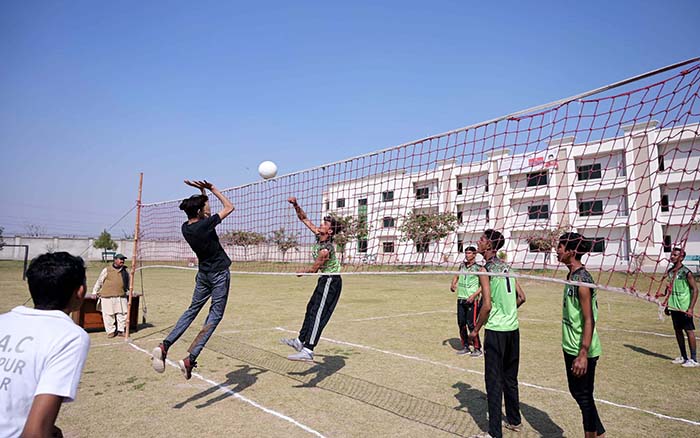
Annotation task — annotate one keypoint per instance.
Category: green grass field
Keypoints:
(385, 366)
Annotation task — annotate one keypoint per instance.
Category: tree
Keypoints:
(545, 240)
(104, 241)
(353, 228)
(423, 228)
(2, 241)
(34, 230)
(284, 241)
(244, 239)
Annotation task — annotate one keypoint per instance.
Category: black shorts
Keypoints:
(682, 321)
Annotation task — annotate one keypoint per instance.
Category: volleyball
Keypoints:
(267, 169)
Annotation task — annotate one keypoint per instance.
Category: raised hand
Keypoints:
(292, 200)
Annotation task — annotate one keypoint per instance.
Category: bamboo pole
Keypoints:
(134, 258)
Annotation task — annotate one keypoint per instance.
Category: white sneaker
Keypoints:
(294, 343)
(690, 363)
(305, 355)
(679, 360)
(158, 358)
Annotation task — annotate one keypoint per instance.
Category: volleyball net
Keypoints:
(618, 165)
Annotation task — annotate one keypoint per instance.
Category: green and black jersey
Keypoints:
(680, 293)
(332, 265)
(468, 284)
(504, 308)
(572, 316)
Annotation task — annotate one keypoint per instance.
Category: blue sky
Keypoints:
(92, 93)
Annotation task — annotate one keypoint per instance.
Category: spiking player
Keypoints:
(325, 296)
(580, 340)
(213, 276)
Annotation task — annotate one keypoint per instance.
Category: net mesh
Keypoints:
(618, 165)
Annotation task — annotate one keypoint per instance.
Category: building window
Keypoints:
(388, 222)
(486, 213)
(538, 211)
(664, 203)
(340, 203)
(589, 171)
(537, 179)
(459, 188)
(362, 202)
(328, 205)
(668, 243)
(460, 216)
(486, 181)
(388, 196)
(590, 208)
(388, 246)
(422, 247)
(598, 245)
(362, 245)
(460, 246)
(662, 165)
(422, 193)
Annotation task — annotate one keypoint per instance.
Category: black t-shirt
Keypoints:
(204, 241)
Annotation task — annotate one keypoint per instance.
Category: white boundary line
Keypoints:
(239, 396)
(530, 385)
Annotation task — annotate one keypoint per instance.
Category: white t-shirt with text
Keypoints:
(41, 352)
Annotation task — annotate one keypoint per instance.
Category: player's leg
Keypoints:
(462, 326)
(220, 283)
(493, 376)
(689, 328)
(330, 299)
(581, 389)
(123, 305)
(472, 314)
(678, 327)
(511, 366)
(311, 309)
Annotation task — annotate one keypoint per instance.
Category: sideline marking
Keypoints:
(530, 385)
(239, 396)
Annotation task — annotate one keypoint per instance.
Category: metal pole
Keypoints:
(135, 257)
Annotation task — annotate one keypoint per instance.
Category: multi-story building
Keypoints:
(637, 194)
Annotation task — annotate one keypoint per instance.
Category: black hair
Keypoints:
(336, 226)
(496, 238)
(677, 248)
(53, 278)
(470, 248)
(193, 205)
(576, 242)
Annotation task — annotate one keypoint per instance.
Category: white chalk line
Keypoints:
(239, 396)
(531, 385)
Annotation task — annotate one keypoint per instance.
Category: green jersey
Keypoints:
(468, 284)
(680, 294)
(504, 307)
(332, 264)
(572, 317)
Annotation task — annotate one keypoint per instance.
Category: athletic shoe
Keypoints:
(678, 361)
(476, 353)
(294, 343)
(462, 351)
(690, 363)
(513, 427)
(158, 358)
(305, 355)
(186, 366)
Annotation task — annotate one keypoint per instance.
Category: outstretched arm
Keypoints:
(302, 216)
(201, 185)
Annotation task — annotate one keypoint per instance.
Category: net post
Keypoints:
(134, 259)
